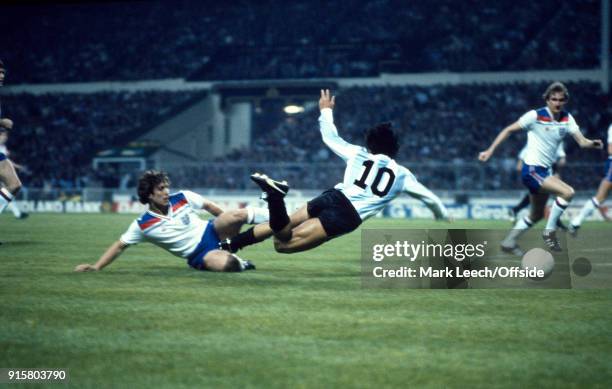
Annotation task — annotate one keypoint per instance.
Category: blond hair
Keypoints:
(556, 87)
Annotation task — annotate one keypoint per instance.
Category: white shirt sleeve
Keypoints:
(195, 200)
(560, 151)
(572, 126)
(610, 134)
(330, 136)
(528, 119)
(417, 190)
(133, 235)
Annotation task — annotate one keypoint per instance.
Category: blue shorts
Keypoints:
(533, 176)
(210, 241)
(609, 170)
(2, 156)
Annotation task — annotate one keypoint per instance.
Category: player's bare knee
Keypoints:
(239, 215)
(568, 194)
(14, 187)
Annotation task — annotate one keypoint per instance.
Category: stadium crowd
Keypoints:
(441, 129)
(57, 135)
(275, 39)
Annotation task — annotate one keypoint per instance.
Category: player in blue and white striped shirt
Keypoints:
(372, 179)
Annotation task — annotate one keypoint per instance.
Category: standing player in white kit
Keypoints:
(4, 134)
(10, 184)
(601, 195)
(371, 180)
(546, 127)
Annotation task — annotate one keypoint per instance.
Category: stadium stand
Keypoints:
(448, 124)
(438, 126)
(65, 131)
(274, 39)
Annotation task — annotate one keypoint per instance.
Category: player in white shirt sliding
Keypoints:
(10, 184)
(602, 193)
(546, 127)
(172, 224)
(371, 180)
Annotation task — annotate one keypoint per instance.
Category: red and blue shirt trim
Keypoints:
(147, 221)
(544, 116)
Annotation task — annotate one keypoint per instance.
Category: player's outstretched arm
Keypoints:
(109, 256)
(212, 208)
(18, 166)
(197, 201)
(561, 162)
(585, 143)
(420, 192)
(329, 132)
(501, 137)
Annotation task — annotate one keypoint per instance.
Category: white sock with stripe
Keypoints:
(586, 211)
(521, 225)
(556, 211)
(5, 198)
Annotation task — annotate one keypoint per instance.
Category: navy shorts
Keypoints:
(609, 169)
(210, 241)
(533, 176)
(2, 156)
(337, 214)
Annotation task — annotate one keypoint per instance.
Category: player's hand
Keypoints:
(6, 123)
(85, 267)
(326, 101)
(597, 144)
(485, 155)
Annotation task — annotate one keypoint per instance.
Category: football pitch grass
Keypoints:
(300, 320)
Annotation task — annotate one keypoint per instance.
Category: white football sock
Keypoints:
(16, 211)
(586, 211)
(521, 225)
(257, 215)
(5, 198)
(556, 211)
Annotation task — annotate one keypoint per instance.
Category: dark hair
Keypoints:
(556, 87)
(147, 183)
(1, 64)
(381, 139)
